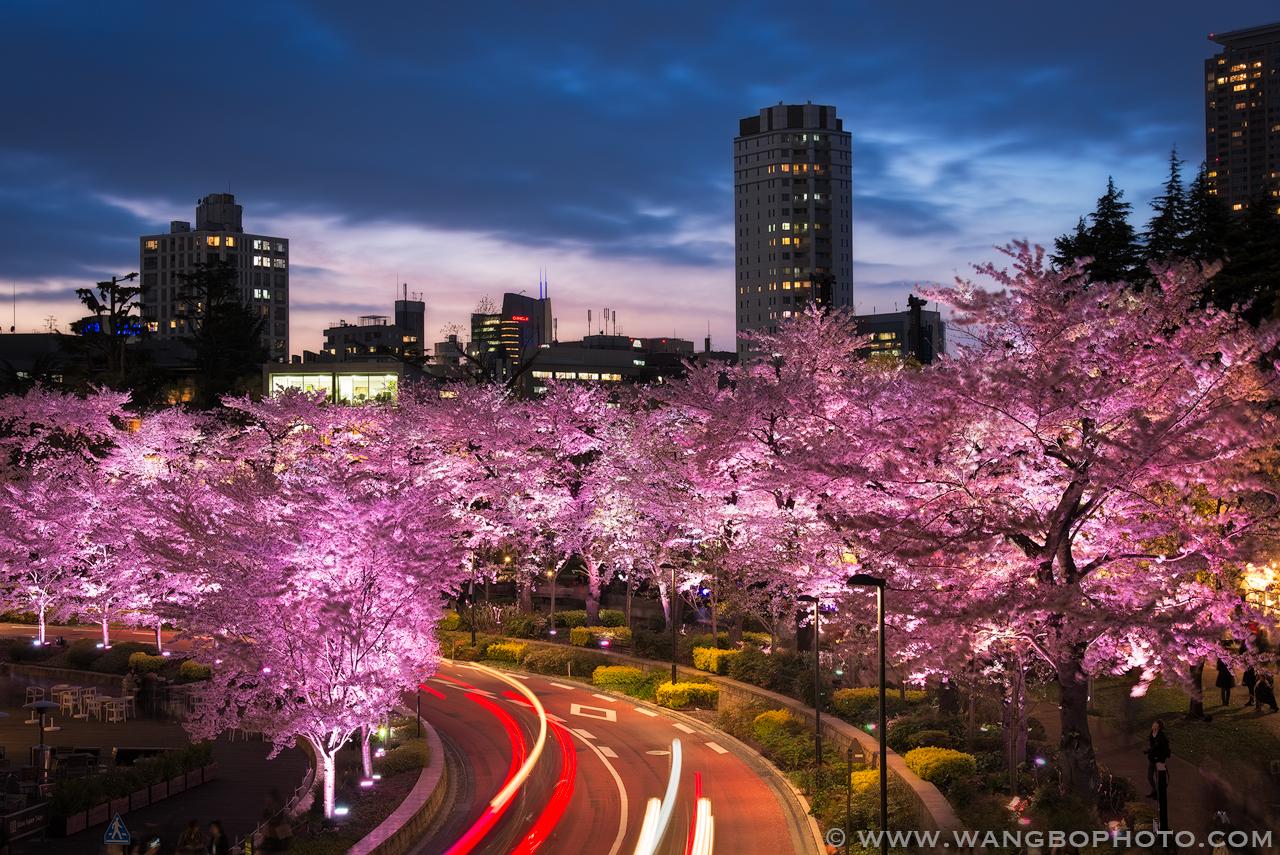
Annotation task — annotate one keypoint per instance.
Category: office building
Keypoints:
(1242, 117)
(501, 342)
(793, 214)
(374, 337)
(915, 333)
(261, 263)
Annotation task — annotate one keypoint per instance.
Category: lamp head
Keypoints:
(865, 580)
(807, 598)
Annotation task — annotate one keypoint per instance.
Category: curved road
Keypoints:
(605, 756)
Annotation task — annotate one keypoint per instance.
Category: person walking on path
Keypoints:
(1249, 680)
(192, 840)
(1264, 693)
(218, 843)
(1157, 753)
(1226, 682)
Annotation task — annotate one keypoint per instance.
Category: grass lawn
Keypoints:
(1237, 739)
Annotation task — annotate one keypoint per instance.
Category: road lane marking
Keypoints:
(585, 734)
(649, 713)
(606, 698)
(683, 728)
(557, 719)
(658, 752)
(719, 749)
(592, 712)
(608, 752)
(562, 686)
(622, 794)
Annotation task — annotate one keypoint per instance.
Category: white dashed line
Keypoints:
(719, 749)
(649, 713)
(606, 698)
(608, 752)
(585, 734)
(563, 686)
(599, 713)
(557, 719)
(683, 728)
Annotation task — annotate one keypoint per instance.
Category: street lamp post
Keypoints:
(864, 580)
(848, 798)
(473, 603)
(674, 602)
(552, 574)
(817, 681)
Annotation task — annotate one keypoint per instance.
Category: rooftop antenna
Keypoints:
(588, 322)
(706, 345)
(555, 330)
(14, 326)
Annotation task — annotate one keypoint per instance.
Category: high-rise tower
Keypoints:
(1242, 117)
(793, 214)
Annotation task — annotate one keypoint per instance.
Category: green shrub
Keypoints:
(713, 659)
(506, 651)
(652, 645)
(518, 625)
(595, 636)
(738, 717)
(191, 671)
(571, 618)
(858, 706)
(932, 739)
(682, 695)
(1140, 814)
(82, 652)
(757, 639)
(903, 728)
(451, 622)
(785, 739)
(612, 618)
(145, 663)
(559, 661)
(410, 754)
(116, 660)
(625, 679)
(773, 723)
(941, 766)
(470, 653)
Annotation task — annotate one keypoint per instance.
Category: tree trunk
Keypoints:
(631, 586)
(1075, 749)
(327, 771)
(593, 593)
(664, 596)
(159, 638)
(106, 634)
(715, 634)
(1195, 704)
(366, 755)
(40, 630)
(735, 629)
(526, 593)
(948, 697)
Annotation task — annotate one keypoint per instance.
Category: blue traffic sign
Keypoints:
(117, 834)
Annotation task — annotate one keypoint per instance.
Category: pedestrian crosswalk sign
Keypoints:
(117, 834)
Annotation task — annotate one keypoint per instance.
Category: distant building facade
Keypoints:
(501, 342)
(1242, 117)
(793, 214)
(373, 335)
(915, 333)
(261, 263)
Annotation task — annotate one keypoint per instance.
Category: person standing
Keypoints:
(218, 843)
(1250, 679)
(1226, 682)
(192, 840)
(1264, 692)
(1157, 753)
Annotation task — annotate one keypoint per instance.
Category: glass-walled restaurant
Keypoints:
(355, 384)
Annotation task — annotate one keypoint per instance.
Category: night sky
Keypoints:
(463, 147)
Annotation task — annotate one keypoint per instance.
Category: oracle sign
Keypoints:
(519, 317)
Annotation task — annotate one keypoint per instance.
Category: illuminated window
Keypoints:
(1240, 87)
(566, 375)
(588, 375)
(231, 241)
(152, 244)
(279, 247)
(1237, 207)
(1222, 81)
(309, 383)
(280, 263)
(213, 240)
(173, 325)
(356, 388)
(786, 227)
(541, 375)
(261, 293)
(612, 378)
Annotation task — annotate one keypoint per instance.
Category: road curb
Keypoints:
(395, 834)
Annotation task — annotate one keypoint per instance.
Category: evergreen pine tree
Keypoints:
(1117, 256)
(1071, 247)
(1209, 224)
(226, 334)
(1166, 233)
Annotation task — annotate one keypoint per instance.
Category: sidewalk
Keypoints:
(1193, 800)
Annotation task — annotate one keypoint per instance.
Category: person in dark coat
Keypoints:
(1264, 693)
(217, 842)
(1226, 681)
(1249, 680)
(1157, 752)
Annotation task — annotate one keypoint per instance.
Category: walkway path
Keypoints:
(1193, 800)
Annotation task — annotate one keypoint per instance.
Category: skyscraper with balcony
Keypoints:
(261, 263)
(1242, 117)
(793, 214)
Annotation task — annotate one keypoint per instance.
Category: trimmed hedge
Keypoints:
(570, 618)
(932, 739)
(861, 705)
(191, 671)
(593, 636)
(612, 618)
(682, 695)
(941, 766)
(410, 754)
(519, 625)
(506, 651)
(116, 660)
(560, 661)
(145, 663)
(451, 622)
(713, 659)
(72, 795)
(625, 679)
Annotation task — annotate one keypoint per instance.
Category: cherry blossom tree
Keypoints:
(316, 561)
